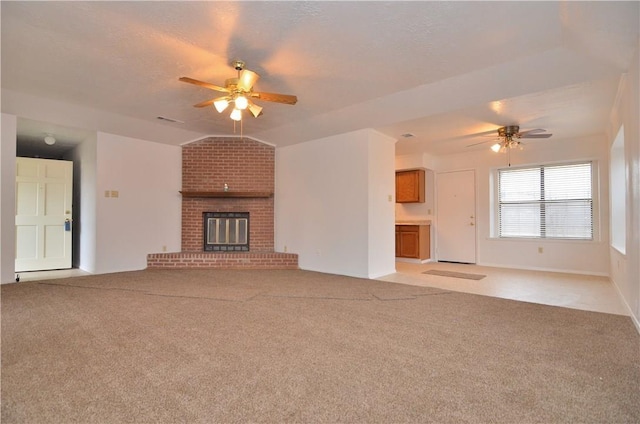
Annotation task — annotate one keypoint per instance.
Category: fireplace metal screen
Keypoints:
(226, 231)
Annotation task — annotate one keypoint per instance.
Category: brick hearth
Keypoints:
(246, 166)
(231, 260)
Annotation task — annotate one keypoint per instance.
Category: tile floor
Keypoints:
(48, 275)
(585, 292)
(590, 293)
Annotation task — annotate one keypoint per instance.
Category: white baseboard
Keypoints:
(414, 261)
(634, 319)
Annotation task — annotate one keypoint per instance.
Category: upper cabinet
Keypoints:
(410, 186)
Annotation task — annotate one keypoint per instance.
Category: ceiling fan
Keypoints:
(239, 91)
(509, 138)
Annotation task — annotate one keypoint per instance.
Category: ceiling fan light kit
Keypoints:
(241, 102)
(507, 144)
(236, 114)
(221, 105)
(254, 109)
(239, 91)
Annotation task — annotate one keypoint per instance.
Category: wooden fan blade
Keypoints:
(204, 104)
(534, 131)
(278, 98)
(247, 79)
(210, 102)
(536, 136)
(476, 144)
(204, 84)
(490, 133)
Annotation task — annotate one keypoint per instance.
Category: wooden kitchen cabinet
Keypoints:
(413, 241)
(410, 186)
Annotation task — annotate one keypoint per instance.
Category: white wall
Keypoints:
(381, 210)
(7, 198)
(618, 193)
(564, 256)
(146, 215)
(625, 268)
(84, 158)
(332, 204)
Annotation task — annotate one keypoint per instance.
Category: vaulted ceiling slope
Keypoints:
(438, 70)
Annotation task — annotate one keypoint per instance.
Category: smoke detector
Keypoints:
(49, 140)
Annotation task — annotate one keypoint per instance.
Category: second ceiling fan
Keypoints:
(509, 137)
(239, 92)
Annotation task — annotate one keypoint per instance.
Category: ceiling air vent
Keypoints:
(164, 118)
(407, 135)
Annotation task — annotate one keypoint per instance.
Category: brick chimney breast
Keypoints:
(244, 165)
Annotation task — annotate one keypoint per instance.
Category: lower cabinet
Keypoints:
(413, 241)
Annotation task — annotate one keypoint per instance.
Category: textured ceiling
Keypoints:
(439, 70)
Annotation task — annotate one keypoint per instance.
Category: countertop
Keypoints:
(414, 222)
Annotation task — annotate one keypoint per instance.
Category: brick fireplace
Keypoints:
(227, 175)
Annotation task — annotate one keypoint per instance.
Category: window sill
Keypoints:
(620, 252)
(541, 240)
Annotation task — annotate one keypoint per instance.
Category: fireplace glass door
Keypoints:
(226, 231)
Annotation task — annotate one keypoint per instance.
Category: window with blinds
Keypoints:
(546, 202)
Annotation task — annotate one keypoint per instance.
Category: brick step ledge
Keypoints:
(223, 260)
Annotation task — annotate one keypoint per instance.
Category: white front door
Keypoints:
(456, 217)
(43, 214)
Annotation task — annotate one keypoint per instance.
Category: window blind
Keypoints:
(546, 202)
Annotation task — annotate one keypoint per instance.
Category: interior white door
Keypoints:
(43, 214)
(456, 216)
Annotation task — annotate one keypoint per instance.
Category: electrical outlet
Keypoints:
(115, 193)
(390, 198)
(285, 248)
(164, 248)
(107, 193)
(540, 250)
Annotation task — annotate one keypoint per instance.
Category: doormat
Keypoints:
(455, 274)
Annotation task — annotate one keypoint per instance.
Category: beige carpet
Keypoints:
(294, 346)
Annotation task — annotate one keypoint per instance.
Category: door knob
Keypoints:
(471, 223)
